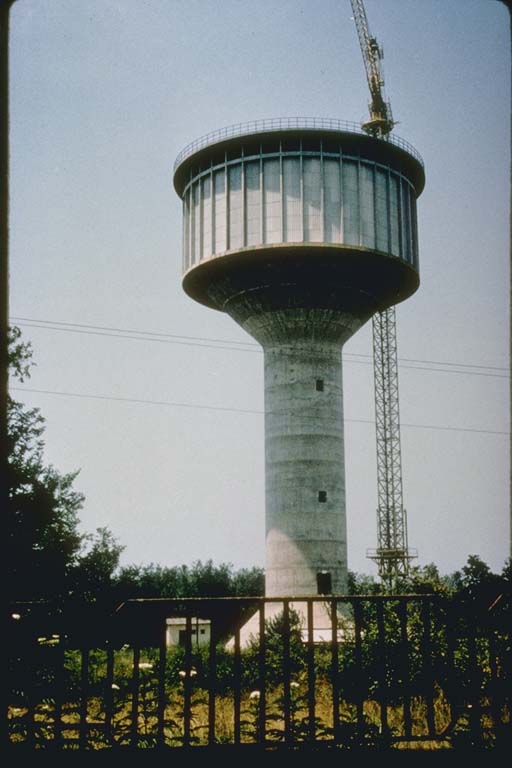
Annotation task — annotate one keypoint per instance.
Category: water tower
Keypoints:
(300, 230)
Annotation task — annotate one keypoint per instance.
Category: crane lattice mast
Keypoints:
(392, 554)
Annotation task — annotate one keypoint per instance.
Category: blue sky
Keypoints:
(104, 94)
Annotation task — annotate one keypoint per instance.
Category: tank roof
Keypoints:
(352, 132)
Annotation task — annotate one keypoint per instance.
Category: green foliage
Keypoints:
(275, 654)
(198, 580)
(42, 515)
(362, 584)
(99, 559)
(19, 355)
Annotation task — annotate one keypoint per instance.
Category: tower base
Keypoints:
(321, 630)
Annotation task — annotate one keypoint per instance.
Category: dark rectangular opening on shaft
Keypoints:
(322, 496)
(319, 385)
(324, 583)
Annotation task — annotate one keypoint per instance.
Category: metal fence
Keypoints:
(372, 672)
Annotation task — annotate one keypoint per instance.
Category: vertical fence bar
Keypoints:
(358, 657)
(262, 677)
(212, 683)
(84, 679)
(311, 673)
(381, 643)
(450, 673)
(427, 666)
(109, 693)
(134, 725)
(237, 687)
(335, 671)
(474, 686)
(286, 672)
(29, 652)
(162, 661)
(31, 719)
(187, 682)
(59, 690)
(494, 681)
(404, 661)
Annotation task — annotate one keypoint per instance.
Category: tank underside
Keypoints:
(351, 279)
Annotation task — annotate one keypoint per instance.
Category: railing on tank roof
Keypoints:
(286, 123)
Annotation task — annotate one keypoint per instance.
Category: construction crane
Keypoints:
(381, 118)
(392, 554)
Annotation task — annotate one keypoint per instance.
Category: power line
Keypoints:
(141, 338)
(444, 362)
(225, 344)
(130, 330)
(198, 406)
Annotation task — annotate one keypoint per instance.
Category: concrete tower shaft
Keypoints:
(305, 521)
(304, 452)
(301, 234)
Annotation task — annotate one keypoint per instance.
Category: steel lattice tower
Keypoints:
(392, 554)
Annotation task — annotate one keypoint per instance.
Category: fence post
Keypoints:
(162, 663)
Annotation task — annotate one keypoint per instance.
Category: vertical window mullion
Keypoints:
(185, 233)
(388, 205)
(302, 212)
(212, 211)
(197, 220)
(214, 217)
(399, 217)
(190, 227)
(227, 187)
(201, 203)
(243, 203)
(374, 182)
(359, 204)
(412, 230)
(342, 224)
(281, 192)
(414, 224)
(322, 193)
(262, 200)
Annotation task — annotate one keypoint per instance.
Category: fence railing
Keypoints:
(286, 123)
(336, 672)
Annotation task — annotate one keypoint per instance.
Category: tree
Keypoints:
(362, 584)
(198, 580)
(92, 576)
(43, 542)
(47, 556)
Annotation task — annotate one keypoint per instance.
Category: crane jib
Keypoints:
(381, 119)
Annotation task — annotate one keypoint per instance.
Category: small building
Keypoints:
(176, 631)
